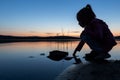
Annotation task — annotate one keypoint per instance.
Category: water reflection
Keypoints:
(28, 60)
(59, 55)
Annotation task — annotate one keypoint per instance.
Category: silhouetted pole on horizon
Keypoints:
(62, 32)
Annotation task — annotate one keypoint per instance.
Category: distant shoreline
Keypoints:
(8, 39)
(36, 40)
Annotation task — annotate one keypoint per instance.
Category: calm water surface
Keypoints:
(24, 60)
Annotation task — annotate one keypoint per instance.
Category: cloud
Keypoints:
(32, 31)
(49, 33)
(75, 32)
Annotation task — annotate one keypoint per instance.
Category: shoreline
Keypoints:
(7, 39)
(36, 40)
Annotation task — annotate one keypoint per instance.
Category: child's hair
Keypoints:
(85, 15)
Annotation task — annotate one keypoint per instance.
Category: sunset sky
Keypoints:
(53, 17)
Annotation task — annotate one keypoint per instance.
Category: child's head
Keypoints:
(85, 15)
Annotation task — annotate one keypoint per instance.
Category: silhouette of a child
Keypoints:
(96, 34)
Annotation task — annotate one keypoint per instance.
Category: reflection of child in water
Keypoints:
(96, 34)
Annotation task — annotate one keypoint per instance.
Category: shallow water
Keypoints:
(28, 60)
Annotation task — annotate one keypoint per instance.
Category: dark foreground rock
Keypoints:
(92, 71)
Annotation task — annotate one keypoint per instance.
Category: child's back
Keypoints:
(99, 31)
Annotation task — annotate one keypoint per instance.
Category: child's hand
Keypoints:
(74, 52)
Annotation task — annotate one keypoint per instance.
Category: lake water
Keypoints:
(28, 60)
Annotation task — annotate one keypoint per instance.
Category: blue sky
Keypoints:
(53, 17)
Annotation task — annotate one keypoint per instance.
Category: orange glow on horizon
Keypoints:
(47, 34)
(41, 34)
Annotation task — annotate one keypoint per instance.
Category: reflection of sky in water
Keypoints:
(15, 63)
(115, 52)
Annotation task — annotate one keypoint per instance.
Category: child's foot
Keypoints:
(92, 54)
(89, 57)
(102, 56)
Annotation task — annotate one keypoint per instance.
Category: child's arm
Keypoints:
(79, 47)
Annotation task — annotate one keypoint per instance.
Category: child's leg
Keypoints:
(92, 43)
(97, 51)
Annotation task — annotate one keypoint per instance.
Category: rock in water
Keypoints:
(57, 55)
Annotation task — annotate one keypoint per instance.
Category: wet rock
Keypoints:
(31, 57)
(57, 55)
(42, 54)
